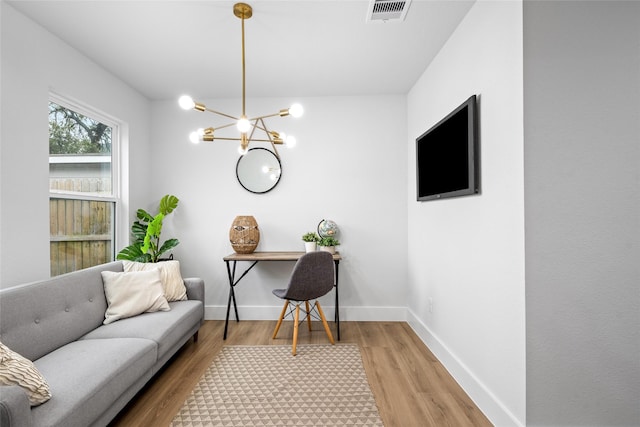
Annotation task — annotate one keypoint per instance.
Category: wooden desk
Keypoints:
(254, 258)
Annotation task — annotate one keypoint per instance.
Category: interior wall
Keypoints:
(466, 255)
(34, 63)
(348, 166)
(582, 163)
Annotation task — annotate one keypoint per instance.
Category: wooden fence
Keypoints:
(81, 234)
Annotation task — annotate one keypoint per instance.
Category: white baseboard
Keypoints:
(488, 403)
(359, 314)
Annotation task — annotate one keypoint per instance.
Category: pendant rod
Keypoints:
(243, 72)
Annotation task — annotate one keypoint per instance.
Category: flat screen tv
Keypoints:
(447, 155)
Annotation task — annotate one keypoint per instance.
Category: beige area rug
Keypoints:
(324, 385)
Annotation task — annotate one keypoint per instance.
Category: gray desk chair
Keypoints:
(312, 277)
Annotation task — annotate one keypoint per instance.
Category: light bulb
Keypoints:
(296, 110)
(290, 141)
(242, 151)
(243, 125)
(265, 169)
(186, 102)
(195, 137)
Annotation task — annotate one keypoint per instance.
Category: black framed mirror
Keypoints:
(259, 170)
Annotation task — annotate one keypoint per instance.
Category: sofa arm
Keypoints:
(195, 288)
(15, 410)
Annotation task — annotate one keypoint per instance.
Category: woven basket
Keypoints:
(244, 234)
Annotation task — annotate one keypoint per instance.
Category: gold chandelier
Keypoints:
(246, 126)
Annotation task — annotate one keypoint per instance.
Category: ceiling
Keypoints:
(293, 48)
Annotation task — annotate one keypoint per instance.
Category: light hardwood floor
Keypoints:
(410, 385)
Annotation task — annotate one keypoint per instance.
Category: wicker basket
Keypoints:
(244, 234)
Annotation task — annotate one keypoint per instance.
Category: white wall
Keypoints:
(467, 254)
(349, 166)
(582, 133)
(33, 64)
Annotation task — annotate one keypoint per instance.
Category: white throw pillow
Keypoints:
(18, 370)
(172, 283)
(130, 294)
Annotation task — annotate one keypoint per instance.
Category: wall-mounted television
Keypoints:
(447, 155)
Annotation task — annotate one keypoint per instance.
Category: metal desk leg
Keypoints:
(232, 297)
(232, 294)
(337, 317)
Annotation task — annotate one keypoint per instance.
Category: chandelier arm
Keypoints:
(265, 116)
(221, 114)
(263, 127)
(253, 130)
(224, 138)
(225, 126)
(270, 138)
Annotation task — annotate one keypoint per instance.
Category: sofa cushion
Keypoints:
(87, 376)
(16, 370)
(165, 328)
(39, 317)
(172, 283)
(130, 294)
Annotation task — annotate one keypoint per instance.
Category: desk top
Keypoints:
(271, 256)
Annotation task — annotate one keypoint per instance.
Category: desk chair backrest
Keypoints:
(312, 277)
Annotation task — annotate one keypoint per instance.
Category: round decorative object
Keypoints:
(244, 234)
(327, 228)
(259, 170)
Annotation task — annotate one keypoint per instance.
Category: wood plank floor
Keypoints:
(410, 385)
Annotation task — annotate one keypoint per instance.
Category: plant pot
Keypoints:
(330, 249)
(310, 246)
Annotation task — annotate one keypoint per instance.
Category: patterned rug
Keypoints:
(324, 385)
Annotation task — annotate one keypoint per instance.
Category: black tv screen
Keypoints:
(447, 155)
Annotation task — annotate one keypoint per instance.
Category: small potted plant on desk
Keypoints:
(310, 241)
(328, 244)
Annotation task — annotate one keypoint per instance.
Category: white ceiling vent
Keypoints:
(387, 10)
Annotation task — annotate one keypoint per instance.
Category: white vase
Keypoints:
(310, 246)
(330, 249)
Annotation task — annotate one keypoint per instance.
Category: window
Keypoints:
(83, 186)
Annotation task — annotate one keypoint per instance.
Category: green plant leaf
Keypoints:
(130, 253)
(328, 241)
(143, 215)
(168, 203)
(138, 231)
(155, 227)
(168, 245)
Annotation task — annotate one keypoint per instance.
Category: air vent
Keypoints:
(387, 10)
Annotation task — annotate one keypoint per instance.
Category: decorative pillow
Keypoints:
(172, 283)
(17, 370)
(130, 294)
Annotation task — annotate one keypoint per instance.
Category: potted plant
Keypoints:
(310, 240)
(146, 231)
(328, 244)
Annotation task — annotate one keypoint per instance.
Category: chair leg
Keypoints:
(324, 322)
(306, 303)
(284, 310)
(295, 330)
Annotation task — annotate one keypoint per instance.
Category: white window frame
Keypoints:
(120, 236)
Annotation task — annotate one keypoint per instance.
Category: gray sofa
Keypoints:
(93, 370)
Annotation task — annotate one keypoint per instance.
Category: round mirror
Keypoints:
(259, 170)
